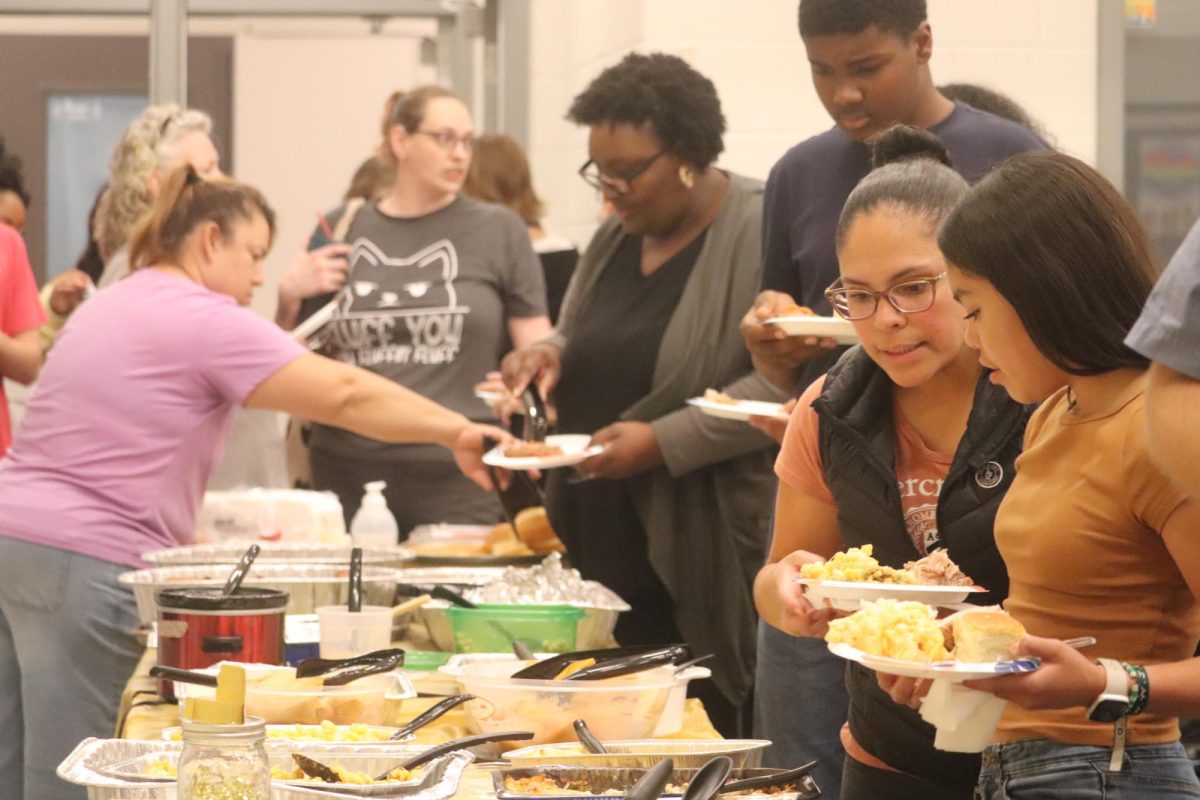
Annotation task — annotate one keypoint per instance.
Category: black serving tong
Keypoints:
(356, 590)
(426, 756)
(183, 675)
(239, 572)
(550, 667)
(588, 739)
(429, 715)
(345, 669)
(351, 669)
(537, 423)
(627, 665)
(650, 786)
(781, 778)
(436, 591)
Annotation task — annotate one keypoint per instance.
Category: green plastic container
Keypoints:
(424, 660)
(491, 628)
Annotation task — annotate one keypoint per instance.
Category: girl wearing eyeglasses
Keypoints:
(1053, 269)
(434, 288)
(902, 445)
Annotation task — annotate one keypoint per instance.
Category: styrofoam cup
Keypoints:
(345, 634)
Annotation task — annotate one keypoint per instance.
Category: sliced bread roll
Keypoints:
(979, 637)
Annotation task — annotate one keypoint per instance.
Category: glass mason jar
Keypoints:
(224, 762)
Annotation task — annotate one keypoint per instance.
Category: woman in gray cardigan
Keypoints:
(674, 514)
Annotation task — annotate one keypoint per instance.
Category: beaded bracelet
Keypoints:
(1139, 694)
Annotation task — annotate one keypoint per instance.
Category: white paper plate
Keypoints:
(849, 595)
(742, 410)
(951, 670)
(574, 450)
(836, 328)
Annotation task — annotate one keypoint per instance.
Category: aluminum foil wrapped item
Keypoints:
(547, 583)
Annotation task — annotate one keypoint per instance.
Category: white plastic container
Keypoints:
(373, 525)
(346, 634)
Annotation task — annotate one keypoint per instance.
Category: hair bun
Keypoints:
(906, 143)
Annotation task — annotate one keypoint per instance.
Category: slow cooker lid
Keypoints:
(210, 598)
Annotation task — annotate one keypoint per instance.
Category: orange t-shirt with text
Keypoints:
(920, 470)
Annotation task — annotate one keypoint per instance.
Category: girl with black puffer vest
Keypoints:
(903, 445)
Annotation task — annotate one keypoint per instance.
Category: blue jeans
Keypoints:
(66, 652)
(1045, 770)
(800, 704)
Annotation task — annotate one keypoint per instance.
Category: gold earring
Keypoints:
(687, 176)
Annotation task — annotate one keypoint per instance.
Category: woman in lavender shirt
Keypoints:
(118, 441)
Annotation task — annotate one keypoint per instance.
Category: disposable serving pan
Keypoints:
(604, 783)
(271, 552)
(643, 753)
(308, 585)
(93, 761)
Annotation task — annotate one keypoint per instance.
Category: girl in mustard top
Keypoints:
(1053, 269)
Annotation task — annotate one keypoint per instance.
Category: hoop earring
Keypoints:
(687, 176)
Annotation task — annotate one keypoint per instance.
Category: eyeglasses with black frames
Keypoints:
(620, 184)
(448, 140)
(907, 297)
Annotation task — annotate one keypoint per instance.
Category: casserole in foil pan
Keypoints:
(108, 768)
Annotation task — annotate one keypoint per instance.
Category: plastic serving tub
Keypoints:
(491, 628)
(627, 707)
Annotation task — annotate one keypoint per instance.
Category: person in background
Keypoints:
(14, 198)
(992, 102)
(870, 64)
(319, 268)
(61, 296)
(1168, 332)
(674, 514)
(500, 174)
(20, 313)
(888, 449)
(1053, 268)
(439, 285)
(160, 139)
(127, 420)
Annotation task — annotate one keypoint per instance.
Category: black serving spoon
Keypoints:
(239, 572)
(709, 779)
(589, 740)
(781, 778)
(315, 769)
(651, 785)
(429, 715)
(426, 756)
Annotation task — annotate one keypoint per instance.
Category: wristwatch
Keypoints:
(1113, 702)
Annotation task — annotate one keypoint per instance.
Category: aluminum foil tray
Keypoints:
(643, 753)
(604, 783)
(308, 585)
(454, 577)
(229, 552)
(88, 764)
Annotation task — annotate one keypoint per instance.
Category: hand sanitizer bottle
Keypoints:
(373, 525)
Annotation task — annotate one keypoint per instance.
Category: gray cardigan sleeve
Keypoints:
(690, 439)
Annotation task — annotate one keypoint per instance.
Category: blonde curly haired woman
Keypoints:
(161, 138)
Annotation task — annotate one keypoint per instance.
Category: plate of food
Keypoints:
(719, 404)
(902, 637)
(853, 577)
(561, 450)
(836, 328)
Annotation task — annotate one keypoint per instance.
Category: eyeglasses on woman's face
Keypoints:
(907, 297)
(449, 140)
(619, 184)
